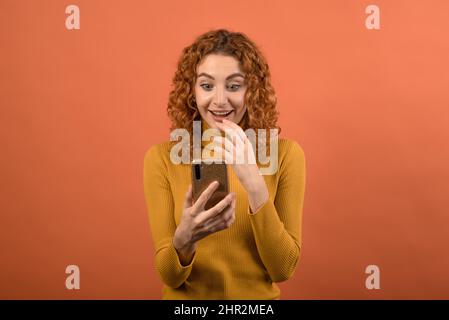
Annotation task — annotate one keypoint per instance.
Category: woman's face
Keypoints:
(220, 89)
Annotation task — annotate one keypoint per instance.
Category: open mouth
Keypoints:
(221, 113)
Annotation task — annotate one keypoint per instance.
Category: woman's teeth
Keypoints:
(221, 113)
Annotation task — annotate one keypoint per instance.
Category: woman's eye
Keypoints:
(207, 86)
(204, 84)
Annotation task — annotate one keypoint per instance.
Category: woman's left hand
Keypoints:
(237, 148)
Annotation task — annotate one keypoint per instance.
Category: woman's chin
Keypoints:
(214, 120)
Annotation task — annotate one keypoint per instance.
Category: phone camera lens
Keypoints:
(197, 172)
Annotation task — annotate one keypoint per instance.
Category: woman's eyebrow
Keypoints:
(236, 74)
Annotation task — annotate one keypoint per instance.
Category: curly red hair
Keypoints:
(260, 97)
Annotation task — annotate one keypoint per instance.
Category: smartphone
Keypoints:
(203, 174)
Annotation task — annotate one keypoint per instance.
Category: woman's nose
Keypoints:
(220, 97)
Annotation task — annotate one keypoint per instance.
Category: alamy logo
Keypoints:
(373, 280)
(72, 282)
(213, 151)
(372, 22)
(72, 22)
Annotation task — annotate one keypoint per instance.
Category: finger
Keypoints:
(226, 129)
(225, 150)
(237, 129)
(221, 222)
(212, 212)
(240, 144)
(205, 195)
(231, 133)
(225, 143)
(227, 214)
(188, 200)
(243, 143)
(238, 152)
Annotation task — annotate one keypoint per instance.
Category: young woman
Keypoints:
(250, 240)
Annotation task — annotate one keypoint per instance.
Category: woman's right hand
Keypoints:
(197, 223)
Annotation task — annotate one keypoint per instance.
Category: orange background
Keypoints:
(80, 108)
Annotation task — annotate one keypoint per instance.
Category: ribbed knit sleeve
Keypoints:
(277, 223)
(160, 208)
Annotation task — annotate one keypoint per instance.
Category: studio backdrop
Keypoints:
(362, 86)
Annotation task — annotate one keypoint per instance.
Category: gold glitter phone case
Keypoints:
(203, 174)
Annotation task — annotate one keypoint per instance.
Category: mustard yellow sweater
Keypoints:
(243, 261)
